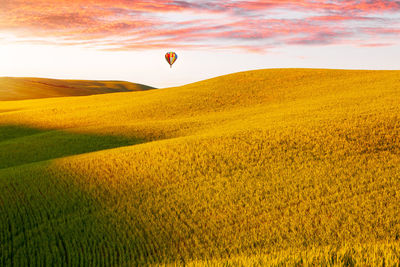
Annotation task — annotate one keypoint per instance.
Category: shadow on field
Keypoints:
(22, 145)
(45, 218)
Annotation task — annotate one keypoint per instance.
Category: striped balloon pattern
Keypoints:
(171, 57)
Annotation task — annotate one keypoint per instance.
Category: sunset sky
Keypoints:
(127, 39)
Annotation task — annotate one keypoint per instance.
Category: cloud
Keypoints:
(255, 25)
(376, 44)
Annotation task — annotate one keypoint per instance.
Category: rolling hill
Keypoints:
(277, 167)
(30, 88)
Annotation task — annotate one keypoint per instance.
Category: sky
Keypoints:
(127, 39)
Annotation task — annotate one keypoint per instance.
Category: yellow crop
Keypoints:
(273, 167)
(30, 88)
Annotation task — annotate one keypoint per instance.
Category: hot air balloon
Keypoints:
(171, 57)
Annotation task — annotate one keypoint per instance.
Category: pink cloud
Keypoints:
(246, 25)
(376, 44)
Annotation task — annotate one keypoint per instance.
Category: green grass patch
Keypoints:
(22, 145)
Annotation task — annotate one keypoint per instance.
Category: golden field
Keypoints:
(272, 167)
(12, 88)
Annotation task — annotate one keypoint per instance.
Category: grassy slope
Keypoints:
(253, 167)
(31, 88)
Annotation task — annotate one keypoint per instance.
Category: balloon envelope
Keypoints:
(171, 57)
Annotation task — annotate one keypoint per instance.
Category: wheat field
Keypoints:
(12, 88)
(282, 167)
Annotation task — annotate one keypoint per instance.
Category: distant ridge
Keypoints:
(33, 88)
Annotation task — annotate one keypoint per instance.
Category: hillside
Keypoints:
(31, 88)
(268, 167)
